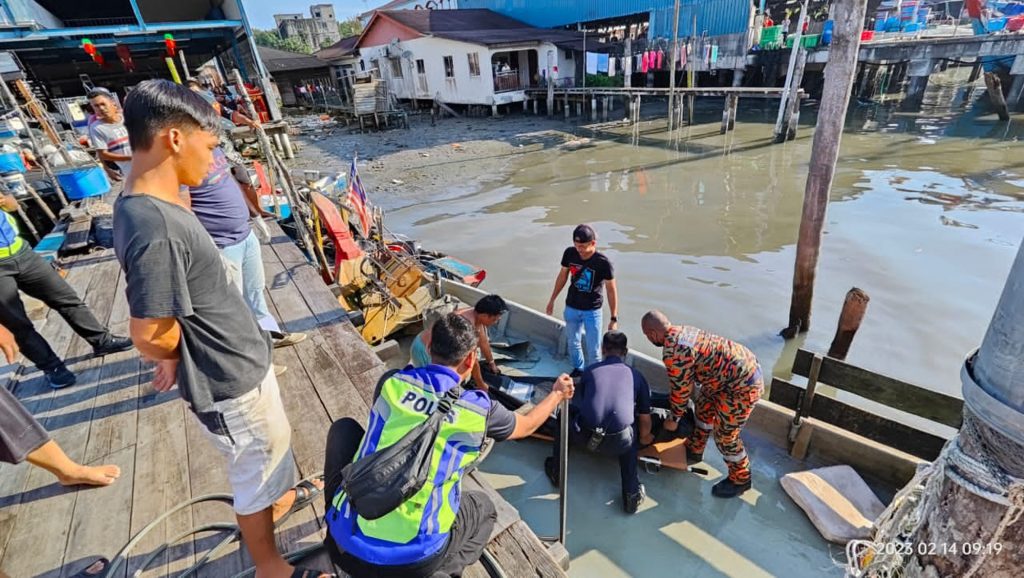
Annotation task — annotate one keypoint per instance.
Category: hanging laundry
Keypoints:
(644, 61)
(592, 62)
(661, 59)
(714, 54)
(611, 67)
(602, 63)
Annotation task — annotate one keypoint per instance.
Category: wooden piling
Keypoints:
(726, 113)
(551, 96)
(995, 92)
(854, 307)
(593, 109)
(842, 65)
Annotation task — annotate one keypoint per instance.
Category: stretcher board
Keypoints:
(672, 453)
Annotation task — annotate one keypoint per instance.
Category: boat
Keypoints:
(529, 348)
(381, 277)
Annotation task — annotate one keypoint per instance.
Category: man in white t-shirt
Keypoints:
(107, 133)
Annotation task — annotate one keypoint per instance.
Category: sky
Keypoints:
(261, 12)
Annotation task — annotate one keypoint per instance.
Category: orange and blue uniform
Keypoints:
(730, 384)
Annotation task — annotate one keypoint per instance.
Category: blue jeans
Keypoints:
(577, 323)
(248, 275)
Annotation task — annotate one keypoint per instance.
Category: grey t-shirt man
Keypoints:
(113, 138)
(173, 269)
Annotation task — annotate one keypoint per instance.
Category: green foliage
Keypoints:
(350, 27)
(271, 39)
(603, 81)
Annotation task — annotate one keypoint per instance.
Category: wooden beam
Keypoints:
(858, 421)
(888, 391)
(854, 307)
(842, 65)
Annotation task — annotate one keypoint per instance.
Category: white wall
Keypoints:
(462, 89)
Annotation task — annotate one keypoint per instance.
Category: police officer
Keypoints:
(22, 269)
(440, 529)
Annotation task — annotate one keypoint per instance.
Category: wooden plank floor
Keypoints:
(112, 415)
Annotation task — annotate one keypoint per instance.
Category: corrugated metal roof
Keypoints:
(714, 17)
(340, 49)
(482, 27)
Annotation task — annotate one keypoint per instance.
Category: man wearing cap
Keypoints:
(590, 271)
(107, 133)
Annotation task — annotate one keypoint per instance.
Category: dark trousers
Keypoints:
(28, 272)
(469, 533)
(623, 445)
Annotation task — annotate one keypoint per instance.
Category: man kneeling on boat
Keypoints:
(731, 384)
(485, 314)
(440, 529)
(601, 418)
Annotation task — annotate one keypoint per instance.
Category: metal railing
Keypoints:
(507, 81)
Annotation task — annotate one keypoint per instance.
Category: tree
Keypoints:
(272, 39)
(350, 27)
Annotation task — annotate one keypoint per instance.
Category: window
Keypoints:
(420, 67)
(474, 63)
(449, 67)
(396, 68)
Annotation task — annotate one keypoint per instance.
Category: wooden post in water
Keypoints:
(854, 308)
(793, 114)
(788, 90)
(995, 92)
(672, 66)
(842, 65)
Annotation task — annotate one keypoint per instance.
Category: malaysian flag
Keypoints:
(357, 198)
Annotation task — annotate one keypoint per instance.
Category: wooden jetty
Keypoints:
(112, 415)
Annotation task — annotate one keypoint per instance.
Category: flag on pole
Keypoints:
(357, 198)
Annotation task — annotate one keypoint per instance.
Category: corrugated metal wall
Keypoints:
(714, 17)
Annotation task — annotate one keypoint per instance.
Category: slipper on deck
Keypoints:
(309, 573)
(305, 493)
(91, 570)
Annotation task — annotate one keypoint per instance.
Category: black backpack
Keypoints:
(380, 482)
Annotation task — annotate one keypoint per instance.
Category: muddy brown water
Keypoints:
(925, 216)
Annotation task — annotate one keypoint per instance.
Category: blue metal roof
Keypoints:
(714, 17)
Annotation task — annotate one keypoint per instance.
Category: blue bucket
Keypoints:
(83, 182)
(11, 163)
(827, 31)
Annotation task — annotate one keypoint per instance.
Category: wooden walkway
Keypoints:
(112, 415)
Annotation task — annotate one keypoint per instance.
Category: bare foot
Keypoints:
(91, 476)
(283, 505)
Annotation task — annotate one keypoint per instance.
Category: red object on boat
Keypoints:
(1016, 23)
(867, 35)
(345, 247)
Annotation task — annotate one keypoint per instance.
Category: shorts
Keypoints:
(253, 435)
(419, 356)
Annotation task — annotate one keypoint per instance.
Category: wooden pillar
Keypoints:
(732, 114)
(995, 92)
(793, 99)
(691, 105)
(919, 71)
(854, 308)
(726, 113)
(842, 65)
(604, 108)
(627, 61)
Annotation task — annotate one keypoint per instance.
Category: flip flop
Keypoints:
(103, 564)
(305, 493)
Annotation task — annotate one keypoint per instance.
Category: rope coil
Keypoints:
(886, 556)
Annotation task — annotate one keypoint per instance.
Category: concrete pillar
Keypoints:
(627, 62)
(918, 71)
(535, 107)
(494, 110)
(1016, 98)
(604, 108)
(593, 109)
(526, 106)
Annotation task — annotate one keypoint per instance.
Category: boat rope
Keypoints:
(896, 529)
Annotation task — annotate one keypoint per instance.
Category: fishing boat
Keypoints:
(383, 277)
(529, 348)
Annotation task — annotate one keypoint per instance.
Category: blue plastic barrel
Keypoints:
(880, 25)
(83, 182)
(826, 32)
(11, 163)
